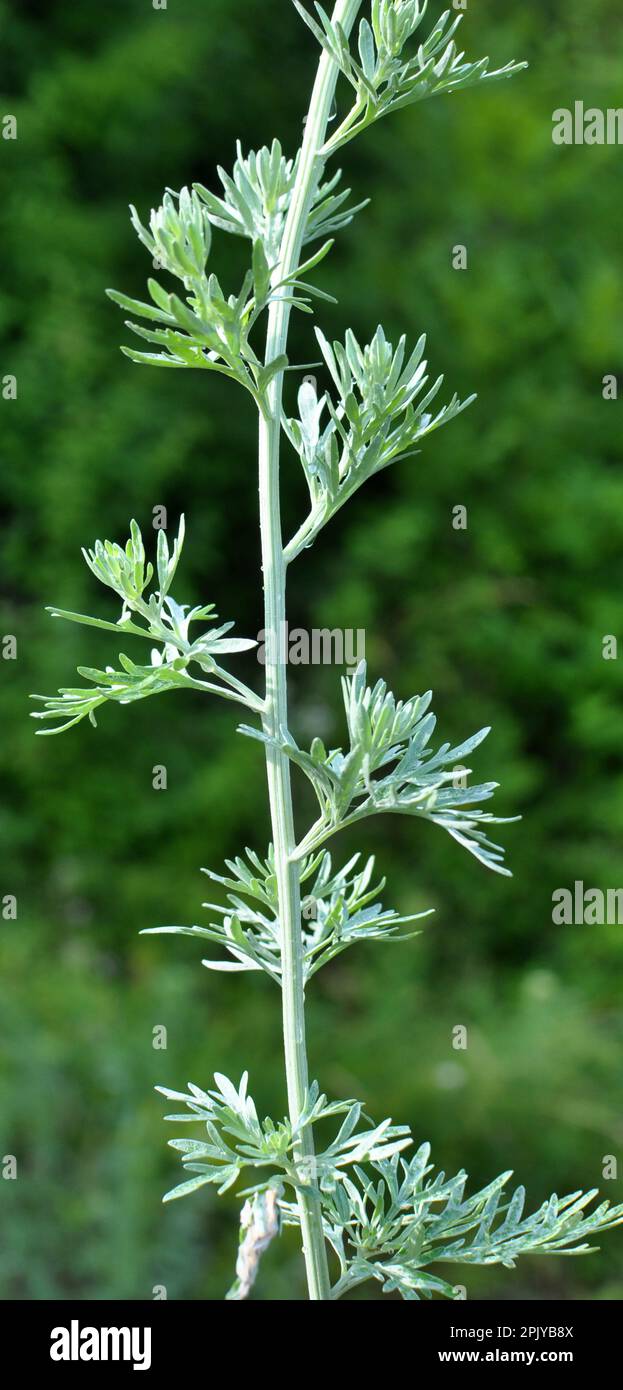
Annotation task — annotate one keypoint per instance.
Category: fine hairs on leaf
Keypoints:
(368, 1204)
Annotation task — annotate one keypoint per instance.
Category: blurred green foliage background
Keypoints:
(504, 620)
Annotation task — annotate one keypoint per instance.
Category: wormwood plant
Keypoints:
(353, 1187)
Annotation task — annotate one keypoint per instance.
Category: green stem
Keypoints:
(276, 705)
(346, 131)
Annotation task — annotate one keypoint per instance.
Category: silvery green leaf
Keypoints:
(125, 570)
(257, 196)
(231, 644)
(124, 625)
(389, 76)
(380, 416)
(326, 35)
(310, 413)
(266, 374)
(225, 967)
(367, 51)
(184, 1188)
(135, 306)
(345, 910)
(179, 236)
(390, 1220)
(390, 767)
(154, 359)
(214, 327)
(261, 272)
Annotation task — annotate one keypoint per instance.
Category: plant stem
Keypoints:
(276, 710)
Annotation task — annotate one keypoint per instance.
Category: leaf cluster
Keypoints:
(388, 1218)
(339, 909)
(390, 766)
(393, 1223)
(257, 196)
(162, 620)
(238, 1140)
(383, 77)
(206, 328)
(381, 414)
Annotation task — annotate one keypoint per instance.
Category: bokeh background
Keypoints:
(505, 621)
